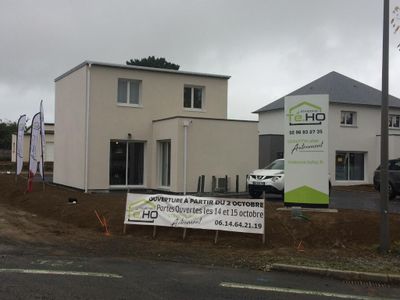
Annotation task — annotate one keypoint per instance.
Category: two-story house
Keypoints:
(127, 127)
(354, 128)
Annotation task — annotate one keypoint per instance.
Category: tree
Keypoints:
(6, 130)
(153, 62)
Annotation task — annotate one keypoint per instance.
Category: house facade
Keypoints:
(354, 128)
(126, 127)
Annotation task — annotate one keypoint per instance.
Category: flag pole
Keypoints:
(42, 133)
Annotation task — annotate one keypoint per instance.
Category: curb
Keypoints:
(339, 274)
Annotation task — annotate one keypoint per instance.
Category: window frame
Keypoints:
(128, 92)
(395, 116)
(354, 118)
(192, 88)
(160, 148)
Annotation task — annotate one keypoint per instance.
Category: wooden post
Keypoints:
(154, 231)
(213, 184)
(265, 219)
(237, 183)
(184, 233)
(216, 237)
(198, 184)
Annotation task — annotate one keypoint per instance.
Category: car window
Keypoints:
(276, 165)
(395, 165)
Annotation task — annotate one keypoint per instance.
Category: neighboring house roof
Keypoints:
(130, 67)
(341, 89)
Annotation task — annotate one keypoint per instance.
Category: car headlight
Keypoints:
(276, 178)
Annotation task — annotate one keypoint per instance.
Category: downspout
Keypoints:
(87, 126)
(186, 124)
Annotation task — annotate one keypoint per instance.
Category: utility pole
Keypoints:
(384, 184)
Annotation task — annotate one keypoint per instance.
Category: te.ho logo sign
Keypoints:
(305, 113)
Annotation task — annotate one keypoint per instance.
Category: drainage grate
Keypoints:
(367, 283)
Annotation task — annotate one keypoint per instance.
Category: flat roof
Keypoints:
(130, 67)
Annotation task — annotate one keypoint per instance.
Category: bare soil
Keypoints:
(347, 240)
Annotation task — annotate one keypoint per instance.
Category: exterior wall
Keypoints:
(218, 148)
(362, 138)
(70, 126)
(271, 122)
(161, 97)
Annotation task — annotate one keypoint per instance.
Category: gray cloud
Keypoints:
(268, 47)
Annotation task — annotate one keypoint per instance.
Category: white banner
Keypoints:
(42, 139)
(19, 156)
(240, 215)
(35, 133)
(306, 150)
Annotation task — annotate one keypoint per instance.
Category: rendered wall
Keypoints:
(69, 140)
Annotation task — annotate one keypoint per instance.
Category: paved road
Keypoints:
(39, 277)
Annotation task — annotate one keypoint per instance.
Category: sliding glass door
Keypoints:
(126, 163)
(349, 166)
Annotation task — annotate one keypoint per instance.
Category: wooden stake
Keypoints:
(184, 234)
(216, 237)
(265, 219)
(154, 231)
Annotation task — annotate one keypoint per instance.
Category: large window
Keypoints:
(349, 166)
(348, 118)
(128, 92)
(165, 162)
(126, 163)
(193, 97)
(394, 121)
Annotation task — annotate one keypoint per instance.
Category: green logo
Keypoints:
(305, 113)
(142, 211)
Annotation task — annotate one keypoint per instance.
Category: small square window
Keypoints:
(348, 118)
(128, 91)
(193, 97)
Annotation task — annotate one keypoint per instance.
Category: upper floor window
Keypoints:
(193, 97)
(394, 121)
(128, 91)
(348, 118)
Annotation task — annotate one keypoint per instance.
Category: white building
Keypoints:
(130, 127)
(354, 128)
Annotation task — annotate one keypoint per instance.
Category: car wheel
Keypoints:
(255, 194)
(391, 191)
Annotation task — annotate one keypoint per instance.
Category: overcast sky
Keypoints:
(269, 47)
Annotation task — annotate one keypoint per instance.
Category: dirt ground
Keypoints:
(347, 240)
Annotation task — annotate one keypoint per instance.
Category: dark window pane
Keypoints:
(117, 163)
(341, 166)
(165, 166)
(122, 91)
(187, 97)
(349, 118)
(134, 92)
(356, 166)
(197, 95)
(135, 163)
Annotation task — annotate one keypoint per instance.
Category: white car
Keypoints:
(270, 179)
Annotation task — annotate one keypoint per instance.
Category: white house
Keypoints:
(354, 128)
(125, 127)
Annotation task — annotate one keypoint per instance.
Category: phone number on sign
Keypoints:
(238, 224)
